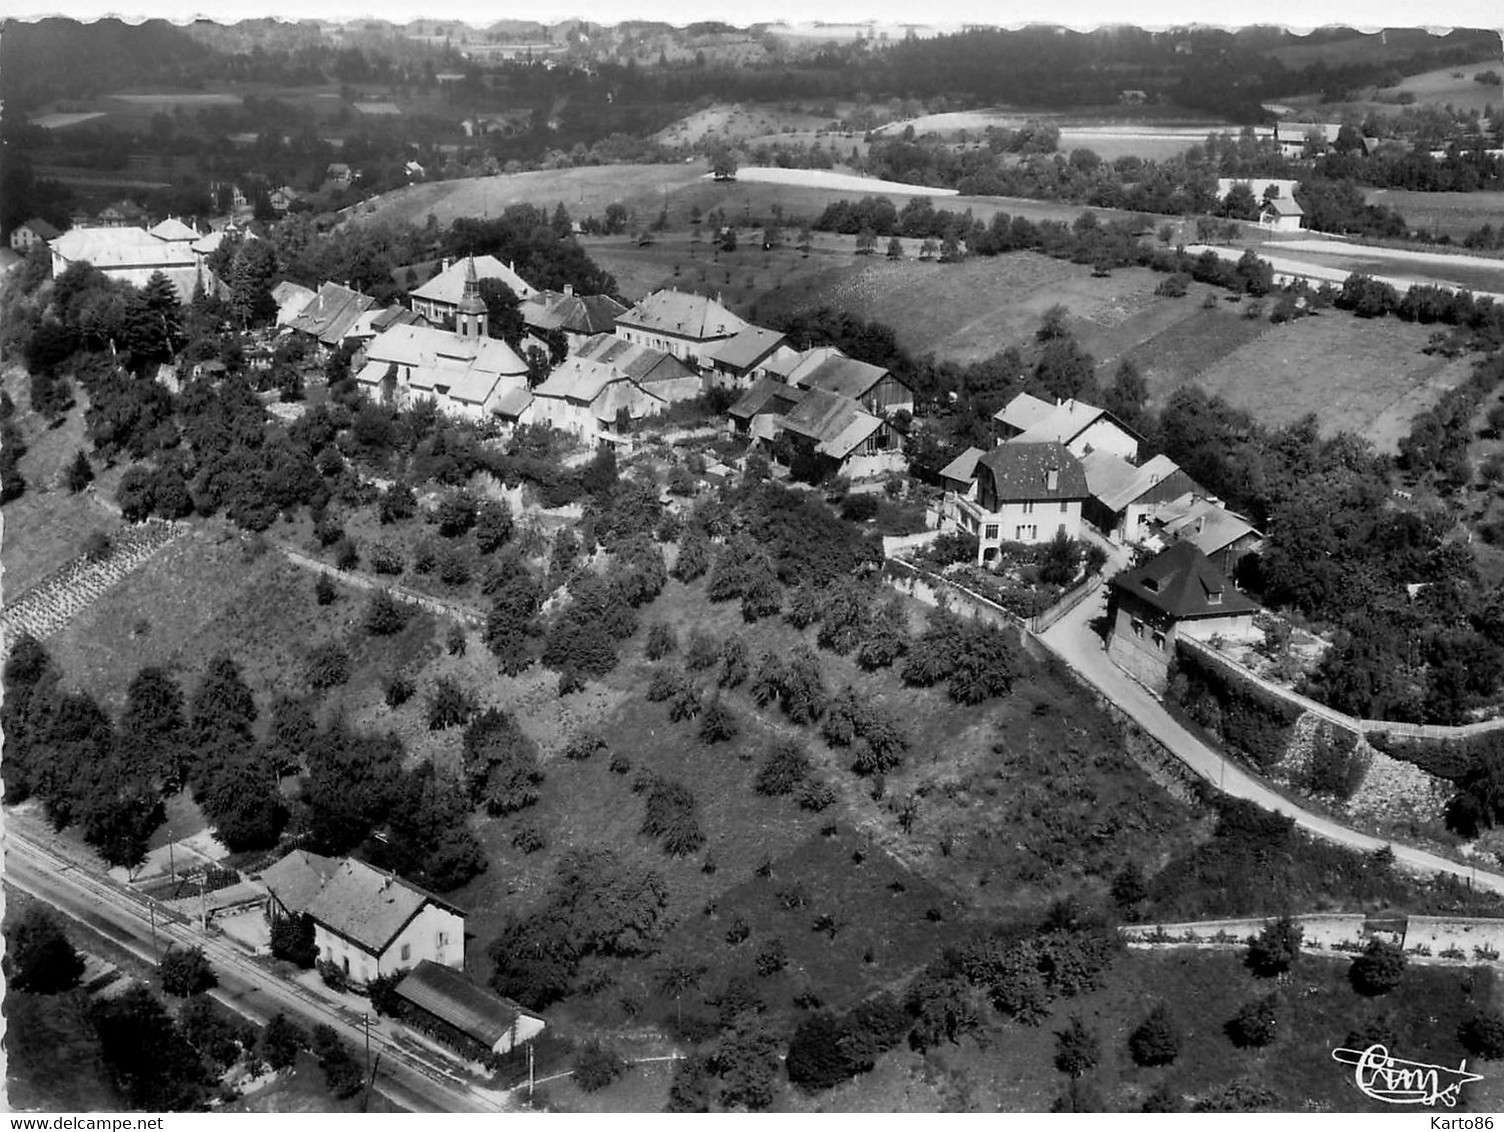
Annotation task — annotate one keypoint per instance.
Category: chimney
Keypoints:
(446, 266)
(569, 290)
(1052, 479)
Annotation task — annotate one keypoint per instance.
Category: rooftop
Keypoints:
(837, 424)
(448, 286)
(840, 374)
(1116, 483)
(642, 364)
(296, 879)
(683, 314)
(1203, 522)
(121, 248)
(44, 230)
(767, 395)
(578, 314)
(1183, 583)
(1020, 472)
(747, 347)
(964, 466)
(366, 905)
(449, 995)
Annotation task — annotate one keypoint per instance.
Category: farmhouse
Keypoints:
(464, 376)
(365, 921)
(1080, 427)
(587, 397)
(1024, 493)
(33, 231)
(443, 996)
(438, 300)
(1177, 591)
(756, 411)
(660, 373)
(684, 324)
(122, 214)
(290, 298)
(330, 314)
(1281, 214)
(1124, 497)
(577, 317)
(838, 428)
(739, 361)
(1223, 536)
(828, 370)
(283, 198)
(131, 255)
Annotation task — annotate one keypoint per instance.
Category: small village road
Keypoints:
(1073, 640)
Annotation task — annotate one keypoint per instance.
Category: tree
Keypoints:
(1482, 1034)
(39, 958)
(186, 971)
(384, 615)
(679, 975)
(1276, 948)
(503, 311)
(146, 1056)
(493, 525)
(895, 248)
(866, 241)
(252, 272)
(1157, 1039)
(323, 590)
(80, 474)
(342, 1075)
(1077, 1048)
(723, 164)
(815, 1059)
(596, 1066)
(281, 1041)
(1255, 1024)
(293, 940)
(1379, 969)
(748, 1060)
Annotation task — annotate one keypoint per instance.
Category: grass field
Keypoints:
(1368, 377)
(897, 896)
(46, 527)
(1449, 214)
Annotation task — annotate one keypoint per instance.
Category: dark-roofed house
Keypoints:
(1179, 590)
(684, 324)
(1025, 493)
(657, 371)
(365, 921)
(740, 360)
(840, 430)
(577, 317)
(464, 1010)
(1080, 427)
(831, 371)
(1124, 496)
(330, 314)
(34, 231)
(756, 411)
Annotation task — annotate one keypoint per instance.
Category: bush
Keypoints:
(382, 991)
(385, 615)
(1482, 1034)
(292, 940)
(1275, 948)
(717, 722)
(734, 668)
(596, 1066)
(450, 705)
(323, 590)
(1157, 1040)
(1379, 969)
(346, 556)
(583, 744)
(97, 546)
(281, 1041)
(703, 652)
(328, 665)
(784, 768)
(816, 795)
(661, 641)
(1255, 1024)
(859, 508)
(1076, 1048)
(771, 957)
(399, 689)
(384, 558)
(529, 839)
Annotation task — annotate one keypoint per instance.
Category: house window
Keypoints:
(1026, 532)
(442, 940)
(1063, 506)
(991, 531)
(1060, 530)
(1028, 507)
(1214, 597)
(407, 952)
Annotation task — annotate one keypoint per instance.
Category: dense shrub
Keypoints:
(661, 641)
(1379, 969)
(385, 615)
(596, 1066)
(1274, 950)
(784, 768)
(1255, 1024)
(1156, 1041)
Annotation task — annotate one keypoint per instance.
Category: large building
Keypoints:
(130, 255)
(577, 317)
(1082, 428)
(439, 299)
(1025, 493)
(366, 922)
(35, 231)
(828, 370)
(682, 323)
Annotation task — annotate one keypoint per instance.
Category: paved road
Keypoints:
(1072, 639)
(411, 1081)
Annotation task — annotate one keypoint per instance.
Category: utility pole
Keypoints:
(151, 909)
(529, 1070)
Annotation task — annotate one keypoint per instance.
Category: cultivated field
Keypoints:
(737, 122)
(829, 179)
(1453, 86)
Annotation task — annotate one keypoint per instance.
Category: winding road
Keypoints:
(1074, 641)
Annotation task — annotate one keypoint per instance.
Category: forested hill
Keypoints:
(59, 58)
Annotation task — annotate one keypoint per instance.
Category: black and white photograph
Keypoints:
(627, 558)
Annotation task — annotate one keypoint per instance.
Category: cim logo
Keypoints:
(1394, 1080)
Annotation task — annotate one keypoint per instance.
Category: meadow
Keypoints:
(1443, 214)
